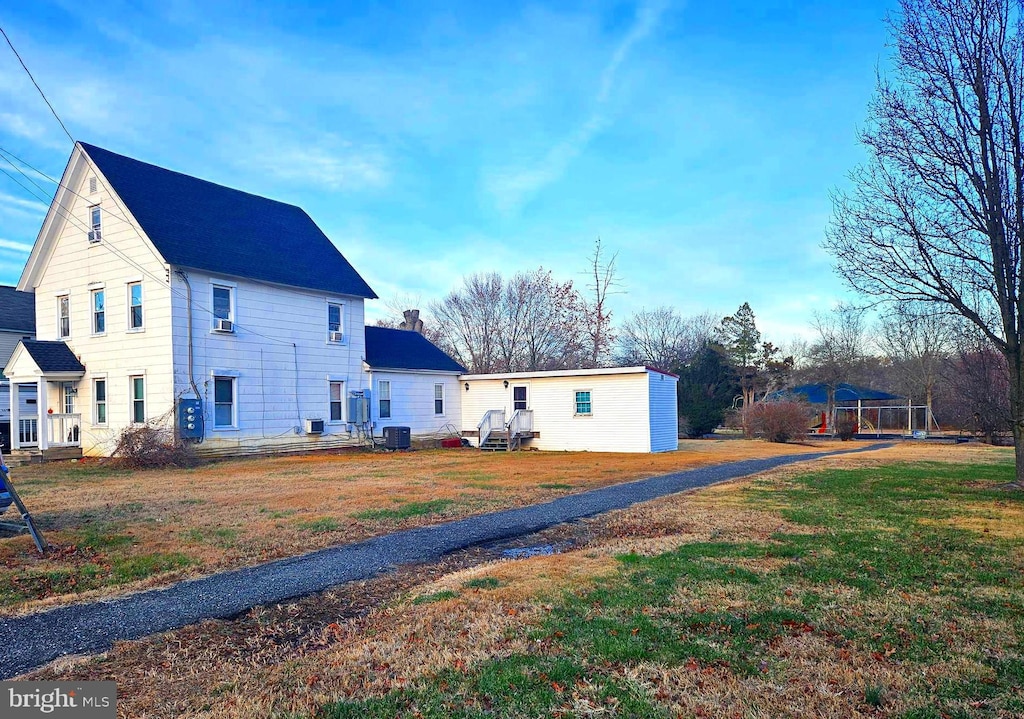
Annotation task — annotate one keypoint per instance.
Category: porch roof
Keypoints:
(49, 357)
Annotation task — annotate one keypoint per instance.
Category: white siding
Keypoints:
(75, 267)
(280, 356)
(412, 403)
(619, 422)
(663, 412)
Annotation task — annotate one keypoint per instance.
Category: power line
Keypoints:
(30, 77)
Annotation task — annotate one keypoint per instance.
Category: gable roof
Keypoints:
(388, 348)
(52, 356)
(200, 225)
(17, 310)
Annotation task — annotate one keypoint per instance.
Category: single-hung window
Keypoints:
(138, 388)
(583, 405)
(63, 316)
(438, 399)
(99, 312)
(384, 398)
(223, 303)
(223, 401)
(337, 395)
(135, 305)
(334, 322)
(95, 224)
(99, 398)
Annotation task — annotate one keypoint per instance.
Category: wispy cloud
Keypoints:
(513, 187)
(331, 165)
(22, 247)
(10, 203)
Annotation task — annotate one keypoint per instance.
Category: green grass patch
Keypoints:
(321, 524)
(443, 595)
(406, 511)
(482, 583)
(874, 537)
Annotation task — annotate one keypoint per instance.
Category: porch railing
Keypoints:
(64, 430)
(493, 419)
(520, 423)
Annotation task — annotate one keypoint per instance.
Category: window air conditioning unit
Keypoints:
(94, 235)
(314, 426)
(223, 325)
(336, 336)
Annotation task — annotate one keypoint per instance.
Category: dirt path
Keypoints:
(36, 639)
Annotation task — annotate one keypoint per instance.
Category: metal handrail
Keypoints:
(488, 424)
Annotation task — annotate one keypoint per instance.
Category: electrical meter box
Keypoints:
(358, 408)
(190, 418)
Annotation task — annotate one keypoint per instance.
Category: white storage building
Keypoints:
(618, 409)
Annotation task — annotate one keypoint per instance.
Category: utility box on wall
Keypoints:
(190, 418)
(358, 408)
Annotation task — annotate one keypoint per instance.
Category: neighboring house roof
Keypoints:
(818, 393)
(17, 311)
(387, 348)
(197, 224)
(52, 356)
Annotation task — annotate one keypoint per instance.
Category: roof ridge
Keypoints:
(87, 146)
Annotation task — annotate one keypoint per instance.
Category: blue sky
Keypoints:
(429, 140)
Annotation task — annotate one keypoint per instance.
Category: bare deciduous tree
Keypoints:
(839, 348)
(917, 343)
(603, 279)
(664, 338)
(937, 214)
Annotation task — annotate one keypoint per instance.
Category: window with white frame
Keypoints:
(384, 398)
(63, 316)
(583, 405)
(223, 402)
(95, 224)
(135, 305)
(334, 328)
(99, 400)
(223, 303)
(137, 383)
(69, 397)
(337, 401)
(99, 312)
(438, 398)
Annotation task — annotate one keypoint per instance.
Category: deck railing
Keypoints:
(28, 432)
(519, 424)
(493, 419)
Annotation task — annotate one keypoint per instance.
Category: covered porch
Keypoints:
(54, 430)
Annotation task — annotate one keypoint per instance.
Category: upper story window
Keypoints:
(63, 316)
(135, 305)
(223, 308)
(99, 312)
(95, 224)
(334, 328)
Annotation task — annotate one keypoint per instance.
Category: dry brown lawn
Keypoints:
(367, 639)
(115, 531)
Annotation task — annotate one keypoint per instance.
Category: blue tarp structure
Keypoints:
(818, 393)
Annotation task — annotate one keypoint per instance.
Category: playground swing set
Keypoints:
(9, 496)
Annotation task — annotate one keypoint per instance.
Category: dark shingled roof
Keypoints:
(53, 356)
(204, 226)
(403, 349)
(17, 310)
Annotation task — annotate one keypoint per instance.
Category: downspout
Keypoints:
(188, 302)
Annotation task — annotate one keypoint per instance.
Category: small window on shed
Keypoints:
(583, 405)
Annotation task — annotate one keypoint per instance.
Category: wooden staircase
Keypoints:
(497, 435)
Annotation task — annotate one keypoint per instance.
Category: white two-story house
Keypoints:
(154, 287)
